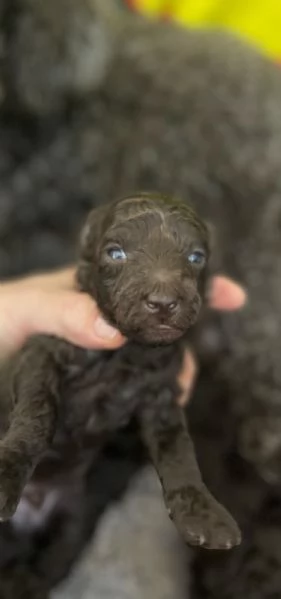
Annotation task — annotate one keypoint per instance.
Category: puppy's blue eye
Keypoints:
(117, 254)
(197, 257)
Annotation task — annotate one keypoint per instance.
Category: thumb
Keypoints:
(71, 315)
(226, 294)
(186, 378)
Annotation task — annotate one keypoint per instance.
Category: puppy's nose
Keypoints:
(156, 303)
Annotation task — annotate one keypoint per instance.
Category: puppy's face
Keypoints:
(144, 260)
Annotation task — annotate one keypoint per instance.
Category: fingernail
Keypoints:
(241, 295)
(104, 330)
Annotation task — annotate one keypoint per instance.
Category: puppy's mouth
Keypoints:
(161, 334)
(164, 335)
(168, 331)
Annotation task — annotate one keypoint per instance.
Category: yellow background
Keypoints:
(257, 20)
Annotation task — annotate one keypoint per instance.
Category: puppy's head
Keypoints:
(144, 259)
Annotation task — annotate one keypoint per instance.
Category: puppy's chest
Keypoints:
(102, 391)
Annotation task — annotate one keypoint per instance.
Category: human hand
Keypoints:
(48, 303)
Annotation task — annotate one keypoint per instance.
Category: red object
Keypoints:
(131, 4)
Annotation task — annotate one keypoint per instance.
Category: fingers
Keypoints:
(73, 316)
(186, 378)
(67, 314)
(47, 303)
(225, 294)
(60, 279)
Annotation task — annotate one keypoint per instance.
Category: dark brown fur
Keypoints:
(41, 385)
(197, 113)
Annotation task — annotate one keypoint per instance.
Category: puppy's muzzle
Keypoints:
(161, 304)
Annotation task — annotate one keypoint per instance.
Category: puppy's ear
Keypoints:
(213, 246)
(90, 238)
(92, 232)
(210, 268)
(211, 234)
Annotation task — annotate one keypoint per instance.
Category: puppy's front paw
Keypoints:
(201, 519)
(11, 485)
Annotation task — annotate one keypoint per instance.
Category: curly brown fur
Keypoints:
(187, 112)
(212, 137)
(151, 291)
(59, 510)
(253, 569)
(144, 259)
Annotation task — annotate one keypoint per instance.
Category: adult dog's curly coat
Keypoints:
(93, 107)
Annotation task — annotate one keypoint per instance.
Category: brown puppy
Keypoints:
(144, 259)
